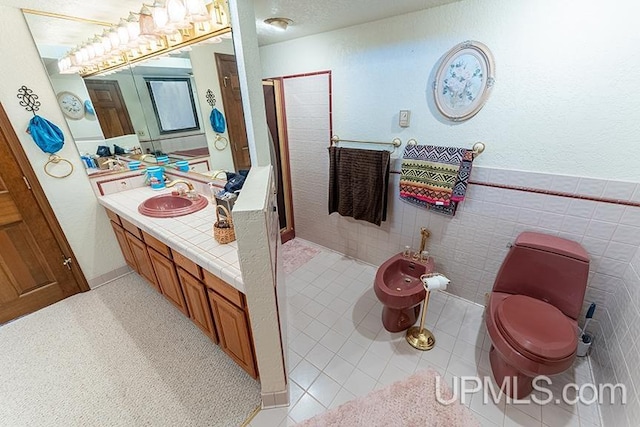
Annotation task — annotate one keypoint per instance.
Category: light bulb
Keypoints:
(98, 47)
(177, 13)
(196, 11)
(84, 55)
(106, 41)
(160, 16)
(133, 29)
(115, 39)
(62, 65)
(90, 51)
(123, 32)
(147, 24)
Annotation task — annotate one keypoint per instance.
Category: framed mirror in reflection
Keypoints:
(151, 107)
(173, 104)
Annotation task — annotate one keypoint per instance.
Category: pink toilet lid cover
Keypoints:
(536, 327)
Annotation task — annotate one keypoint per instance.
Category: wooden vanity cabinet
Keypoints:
(232, 322)
(168, 280)
(233, 329)
(216, 307)
(143, 260)
(195, 295)
(124, 245)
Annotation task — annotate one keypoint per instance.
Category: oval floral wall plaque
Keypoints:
(463, 80)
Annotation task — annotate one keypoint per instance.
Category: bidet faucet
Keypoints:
(423, 242)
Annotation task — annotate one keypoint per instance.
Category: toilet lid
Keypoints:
(533, 326)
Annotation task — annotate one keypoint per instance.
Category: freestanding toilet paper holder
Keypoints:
(420, 337)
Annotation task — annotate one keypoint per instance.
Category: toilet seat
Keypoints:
(535, 328)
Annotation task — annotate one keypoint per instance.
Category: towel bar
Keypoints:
(477, 148)
(396, 142)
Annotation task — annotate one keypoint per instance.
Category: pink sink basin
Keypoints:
(169, 206)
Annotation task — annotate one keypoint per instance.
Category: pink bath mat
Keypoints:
(410, 402)
(295, 254)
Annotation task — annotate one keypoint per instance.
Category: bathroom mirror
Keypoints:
(119, 106)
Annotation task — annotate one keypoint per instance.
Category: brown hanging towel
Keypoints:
(358, 183)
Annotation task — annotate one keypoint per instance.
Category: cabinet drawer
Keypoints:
(224, 289)
(131, 228)
(156, 244)
(113, 216)
(187, 264)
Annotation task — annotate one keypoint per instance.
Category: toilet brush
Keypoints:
(590, 311)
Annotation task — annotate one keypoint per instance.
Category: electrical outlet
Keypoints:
(141, 132)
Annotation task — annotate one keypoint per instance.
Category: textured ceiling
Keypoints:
(314, 16)
(309, 16)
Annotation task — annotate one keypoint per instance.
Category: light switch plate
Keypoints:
(404, 118)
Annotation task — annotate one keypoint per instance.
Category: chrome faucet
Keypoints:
(423, 242)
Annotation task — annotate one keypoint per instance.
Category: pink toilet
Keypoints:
(532, 311)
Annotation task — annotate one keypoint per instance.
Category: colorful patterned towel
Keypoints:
(429, 173)
(458, 191)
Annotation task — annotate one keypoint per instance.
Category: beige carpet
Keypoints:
(407, 403)
(119, 355)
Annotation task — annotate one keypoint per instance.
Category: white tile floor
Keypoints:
(338, 349)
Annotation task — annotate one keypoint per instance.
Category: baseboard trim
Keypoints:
(103, 279)
(275, 399)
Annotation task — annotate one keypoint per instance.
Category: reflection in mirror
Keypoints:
(173, 105)
(122, 112)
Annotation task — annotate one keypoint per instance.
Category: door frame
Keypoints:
(6, 128)
(287, 233)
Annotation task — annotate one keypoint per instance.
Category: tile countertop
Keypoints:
(191, 235)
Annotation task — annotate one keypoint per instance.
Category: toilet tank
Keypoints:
(547, 268)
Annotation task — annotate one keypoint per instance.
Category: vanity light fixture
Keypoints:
(157, 30)
(279, 23)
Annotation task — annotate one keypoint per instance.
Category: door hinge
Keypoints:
(26, 181)
(66, 262)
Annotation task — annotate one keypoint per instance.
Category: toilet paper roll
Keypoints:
(435, 283)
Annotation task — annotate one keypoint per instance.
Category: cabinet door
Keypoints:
(196, 296)
(124, 245)
(168, 280)
(233, 332)
(140, 254)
